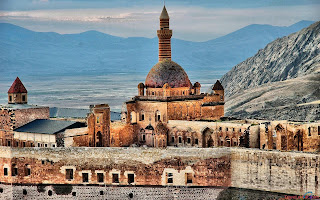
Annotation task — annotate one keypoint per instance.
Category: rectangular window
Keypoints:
(28, 172)
(38, 144)
(180, 140)
(130, 178)
(227, 129)
(85, 177)
(17, 144)
(142, 117)
(115, 178)
(188, 140)
(188, 177)
(9, 143)
(172, 139)
(45, 145)
(233, 129)
(196, 141)
(5, 171)
(24, 144)
(10, 98)
(309, 131)
(220, 128)
(23, 97)
(159, 116)
(69, 174)
(143, 137)
(169, 177)
(100, 177)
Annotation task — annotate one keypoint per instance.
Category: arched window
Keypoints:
(158, 115)
(142, 116)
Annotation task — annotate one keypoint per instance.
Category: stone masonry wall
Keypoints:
(284, 172)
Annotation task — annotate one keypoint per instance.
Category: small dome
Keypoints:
(140, 85)
(197, 84)
(167, 71)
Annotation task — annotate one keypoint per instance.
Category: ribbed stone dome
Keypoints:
(167, 71)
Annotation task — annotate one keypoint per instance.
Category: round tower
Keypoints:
(164, 35)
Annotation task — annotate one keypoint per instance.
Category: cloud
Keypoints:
(190, 23)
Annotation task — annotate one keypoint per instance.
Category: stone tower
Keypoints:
(99, 126)
(164, 35)
(17, 94)
(218, 89)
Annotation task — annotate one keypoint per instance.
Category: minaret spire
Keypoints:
(164, 35)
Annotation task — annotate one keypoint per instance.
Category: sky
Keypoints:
(193, 20)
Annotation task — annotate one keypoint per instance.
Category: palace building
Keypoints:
(168, 94)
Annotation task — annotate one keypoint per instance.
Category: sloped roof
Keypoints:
(17, 87)
(164, 13)
(47, 126)
(217, 86)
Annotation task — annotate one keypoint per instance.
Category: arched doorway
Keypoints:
(207, 140)
(228, 142)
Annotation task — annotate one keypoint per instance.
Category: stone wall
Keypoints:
(105, 192)
(24, 116)
(285, 172)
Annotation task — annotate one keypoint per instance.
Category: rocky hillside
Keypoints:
(281, 82)
(295, 99)
(285, 58)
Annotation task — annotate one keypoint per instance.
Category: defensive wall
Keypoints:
(293, 173)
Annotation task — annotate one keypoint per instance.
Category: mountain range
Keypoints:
(281, 81)
(28, 53)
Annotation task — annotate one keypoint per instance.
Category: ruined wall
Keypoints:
(24, 116)
(11, 119)
(215, 133)
(76, 137)
(289, 136)
(122, 134)
(285, 172)
(149, 166)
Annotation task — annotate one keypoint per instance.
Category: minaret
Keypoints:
(164, 35)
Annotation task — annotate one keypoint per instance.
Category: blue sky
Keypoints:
(195, 20)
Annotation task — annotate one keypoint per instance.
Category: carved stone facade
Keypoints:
(290, 136)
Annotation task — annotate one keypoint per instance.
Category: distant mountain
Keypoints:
(25, 52)
(287, 57)
(282, 81)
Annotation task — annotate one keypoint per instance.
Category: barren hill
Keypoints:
(282, 81)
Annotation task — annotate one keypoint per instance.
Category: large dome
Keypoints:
(167, 71)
